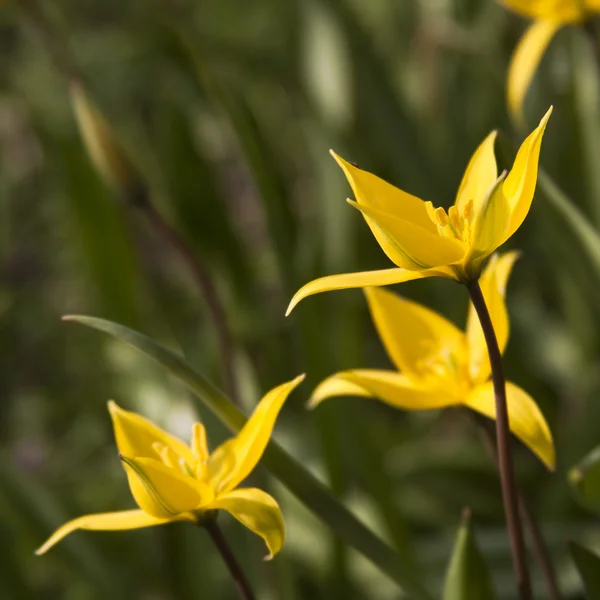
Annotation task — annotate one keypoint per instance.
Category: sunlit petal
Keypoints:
(519, 186)
(413, 335)
(233, 461)
(407, 245)
(362, 279)
(480, 175)
(115, 521)
(162, 491)
(135, 436)
(258, 511)
(390, 387)
(525, 61)
(370, 190)
(493, 286)
(526, 420)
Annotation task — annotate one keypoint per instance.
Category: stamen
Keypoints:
(441, 216)
(185, 468)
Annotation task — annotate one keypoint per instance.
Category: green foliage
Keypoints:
(588, 565)
(468, 576)
(229, 109)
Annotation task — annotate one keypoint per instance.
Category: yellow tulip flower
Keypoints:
(548, 17)
(171, 481)
(424, 241)
(438, 365)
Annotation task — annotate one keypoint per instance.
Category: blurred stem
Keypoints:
(206, 284)
(238, 576)
(590, 26)
(505, 463)
(539, 544)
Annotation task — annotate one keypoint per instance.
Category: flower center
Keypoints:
(445, 369)
(452, 223)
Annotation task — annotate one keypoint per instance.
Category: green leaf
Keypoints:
(289, 471)
(468, 577)
(588, 565)
(585, 479)
(587, 236)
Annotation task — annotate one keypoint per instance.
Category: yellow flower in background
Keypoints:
(424, 241)
(438, 365)
(171, 481)
(548, 17)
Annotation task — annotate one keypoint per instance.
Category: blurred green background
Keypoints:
(229, 109)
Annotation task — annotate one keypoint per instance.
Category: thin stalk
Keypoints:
(209, 291)
(505, 464)
(540, 547)
(238, 576)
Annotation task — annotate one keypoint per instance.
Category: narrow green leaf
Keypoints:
(588, 565)
(585, 479)
(586, 234)
(289, 471)
(468, 577)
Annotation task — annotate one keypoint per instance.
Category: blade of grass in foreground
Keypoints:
(290, 472)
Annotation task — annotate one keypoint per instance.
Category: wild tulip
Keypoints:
(171, 481)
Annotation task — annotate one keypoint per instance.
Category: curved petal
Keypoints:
(162, 491)
(337, 385)
(526, 420)
(362, 279)
(233, 461)
(414, 336)
(373, 191)
(493, 287)
(390, 387)
(114, 521)
(564, 11)
(135, 435)
(525, 61)
(407, 245)
(519, 186)
(259, 512)
(488, 225)
(480, 174)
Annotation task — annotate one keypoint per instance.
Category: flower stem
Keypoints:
(209, 291)
(539, 544)
(505, 465)
(229, 559)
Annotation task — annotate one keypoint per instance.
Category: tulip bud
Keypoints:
(104, 148)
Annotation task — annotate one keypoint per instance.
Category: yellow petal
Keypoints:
(480, 175)
(519, 186)
(135, 435)
(407, 245)
(362, 279)
(526, 420)
(525, 61)
(161, 491)
(199, 442)
(258, 511)
(370, 190)
(337, 385)
(390, 387)
(488, 227)
(115, 521)
(564, 11)
(493, 287)
(413, 335)
(233, 461)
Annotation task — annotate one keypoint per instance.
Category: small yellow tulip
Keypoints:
(548, 17)
(439, 365)
(171, 481)
(424, 241)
